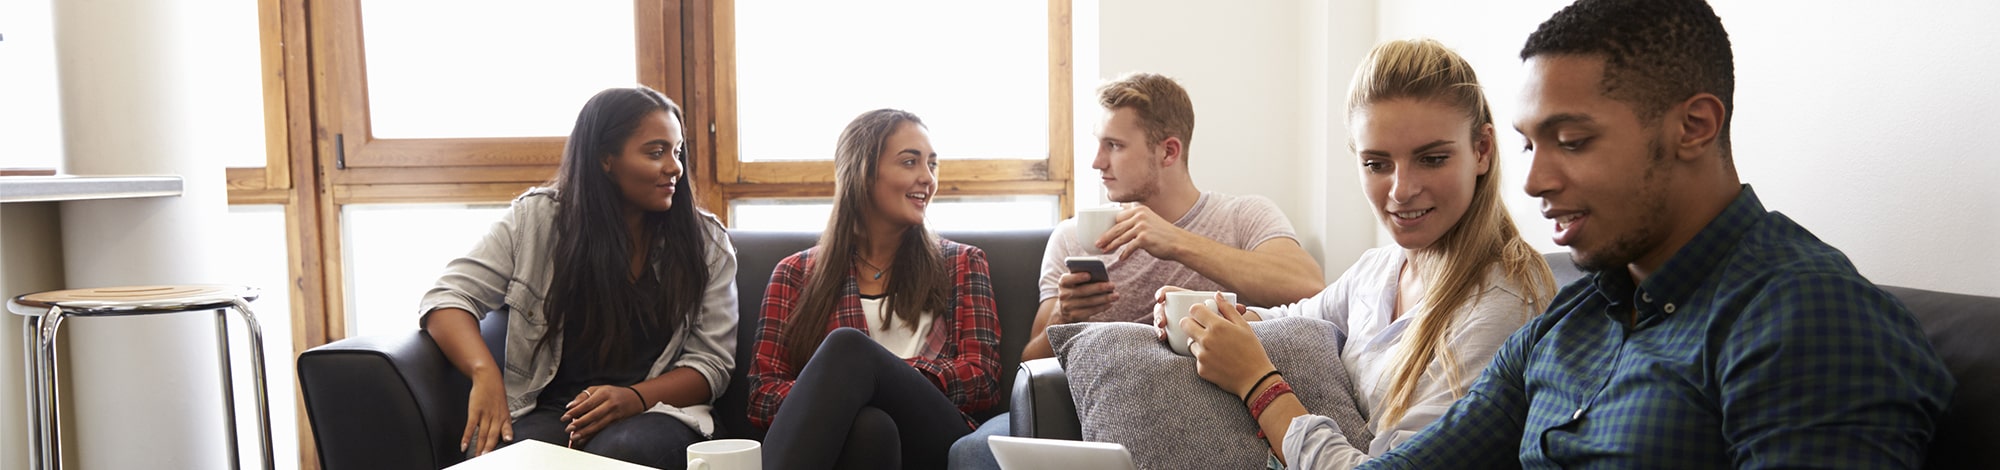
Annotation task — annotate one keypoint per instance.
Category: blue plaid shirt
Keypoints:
(1756, 346)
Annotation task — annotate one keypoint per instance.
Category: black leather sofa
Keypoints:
(1964, 329)
(394, 402)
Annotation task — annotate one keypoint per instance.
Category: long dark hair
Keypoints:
(919, 283)
(591, 289)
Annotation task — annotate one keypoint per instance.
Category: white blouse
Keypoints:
(1360, 304)
(905, 340)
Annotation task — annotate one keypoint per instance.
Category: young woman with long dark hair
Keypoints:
(620, 295)
(877, 344)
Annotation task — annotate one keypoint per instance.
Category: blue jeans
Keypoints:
(971, 452)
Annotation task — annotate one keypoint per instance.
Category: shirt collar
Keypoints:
(1200, 202)
(1670, 286)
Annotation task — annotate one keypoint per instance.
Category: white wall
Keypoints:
(1241, 68)
(1866, 123)
(28, 133)
(1258, 73)
(30, 261)
(1348, 223)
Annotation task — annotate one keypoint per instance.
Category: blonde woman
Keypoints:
(1421, 318)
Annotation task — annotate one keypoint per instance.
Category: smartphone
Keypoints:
(1088, 264)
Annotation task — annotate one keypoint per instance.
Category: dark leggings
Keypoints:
(650, 439)
(857, 406)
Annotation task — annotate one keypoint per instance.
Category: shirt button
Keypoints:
(1670, 308)
(1577, 415)
(1646, 297)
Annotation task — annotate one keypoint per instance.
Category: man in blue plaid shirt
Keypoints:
(1711, 332)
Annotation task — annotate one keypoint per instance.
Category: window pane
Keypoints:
(256, 234)
(976, 72)
(993, 213)
(395, 252)
(947, 213)
(496, 68)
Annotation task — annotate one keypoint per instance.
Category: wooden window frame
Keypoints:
(270, 184)
(360, 159)
(727, 177)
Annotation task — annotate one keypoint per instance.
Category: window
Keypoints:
(990, 79)
(493, 109)
(517, 68)
(395, 253)
(977, 72)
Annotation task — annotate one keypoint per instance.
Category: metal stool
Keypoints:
(43, 313)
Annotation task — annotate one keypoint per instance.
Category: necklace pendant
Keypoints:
(878, 275)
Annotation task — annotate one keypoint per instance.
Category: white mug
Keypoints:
(1091, 223)
(725, 454)
(1178, 303)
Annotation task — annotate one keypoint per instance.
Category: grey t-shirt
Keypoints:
(1241, 222)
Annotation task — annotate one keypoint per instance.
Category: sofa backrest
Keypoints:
(1014, 260)
(1963, 330)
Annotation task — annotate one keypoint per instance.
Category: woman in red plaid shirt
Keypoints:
(894, 345)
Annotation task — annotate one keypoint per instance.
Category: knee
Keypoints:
(845, 338)
(844, 345)
(640, 445)
(970, 448)
(971, 452)
(873, 423)
(871, 442)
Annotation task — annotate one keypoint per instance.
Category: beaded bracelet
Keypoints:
(1264, 401)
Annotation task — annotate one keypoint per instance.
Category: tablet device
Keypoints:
(1058, 454)
(1088, 264)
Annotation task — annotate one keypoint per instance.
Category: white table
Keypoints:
(533, 454)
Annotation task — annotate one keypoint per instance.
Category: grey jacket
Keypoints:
(513, 266)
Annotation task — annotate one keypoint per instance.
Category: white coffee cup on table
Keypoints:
(725, 454)
(1178, 303)
(1092, 222)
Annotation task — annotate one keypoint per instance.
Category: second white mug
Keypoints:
(725, 454)
(1177, 307)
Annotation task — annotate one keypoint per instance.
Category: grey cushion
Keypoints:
(1132, 390)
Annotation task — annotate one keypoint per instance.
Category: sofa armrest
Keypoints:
(384, 402)
(1042, 406)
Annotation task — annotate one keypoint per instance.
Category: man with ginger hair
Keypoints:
(1168, 233)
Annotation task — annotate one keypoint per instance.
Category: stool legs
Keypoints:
(33, 381)
(228, 387)
(45, 389)
(40, 345)
(257, 373)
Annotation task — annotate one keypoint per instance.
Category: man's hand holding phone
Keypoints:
(1084, 292)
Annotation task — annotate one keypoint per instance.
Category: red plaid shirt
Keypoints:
(959, 355)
